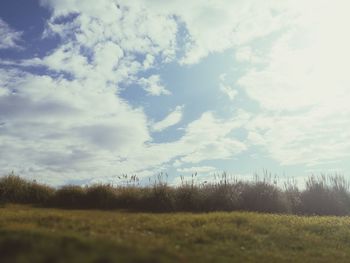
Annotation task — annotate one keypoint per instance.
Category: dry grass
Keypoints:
(30, 234)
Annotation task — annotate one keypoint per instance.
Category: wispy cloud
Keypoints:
(227, 89)
(197, 169)
(9, 38)
(172, 119)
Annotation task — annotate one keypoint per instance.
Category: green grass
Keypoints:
(29, 234)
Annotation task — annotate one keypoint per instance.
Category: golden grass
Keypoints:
(30, 234)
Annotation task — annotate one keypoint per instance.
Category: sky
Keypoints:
(90, 90)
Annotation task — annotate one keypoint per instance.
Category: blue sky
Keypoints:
(93, 89)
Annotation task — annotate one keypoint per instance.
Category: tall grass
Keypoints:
(322, 195)
(326, 195)
(14, 189)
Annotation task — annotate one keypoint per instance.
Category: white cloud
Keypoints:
(148, 62)
(172, 119)
(303, 88)
(77, 125)
(153, 86)
(227, 89)
(134, 28)
(217, 26)
(197, 169)
(9, 38)
(311, 138)
(58, 125)
(211, 26)
(67, 59)
(246, 54)
(209, 138)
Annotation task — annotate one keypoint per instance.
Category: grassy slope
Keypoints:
(50, 235)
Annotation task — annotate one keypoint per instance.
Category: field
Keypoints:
(29, 234)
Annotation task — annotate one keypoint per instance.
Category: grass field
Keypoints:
(29, 234)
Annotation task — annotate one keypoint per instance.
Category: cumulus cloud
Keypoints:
(211, 27)
(153, 86)
(9, 38)
(218, 26)
(208, 138)
(71, 120)
(121, 23)
(62, 126)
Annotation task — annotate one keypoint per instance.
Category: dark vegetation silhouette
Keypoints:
(322, 195)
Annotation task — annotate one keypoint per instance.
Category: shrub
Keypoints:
(14, 189)
(70, 196)
(159, 198)
(323, 195)
(263, 197)
(130, 197)
(221, 197)
(293, 196)
(39, 194)
(100, 196)
(187, 198)
(326, 195)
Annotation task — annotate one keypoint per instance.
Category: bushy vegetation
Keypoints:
(322, 195)
(326, 196)
(14, 189)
